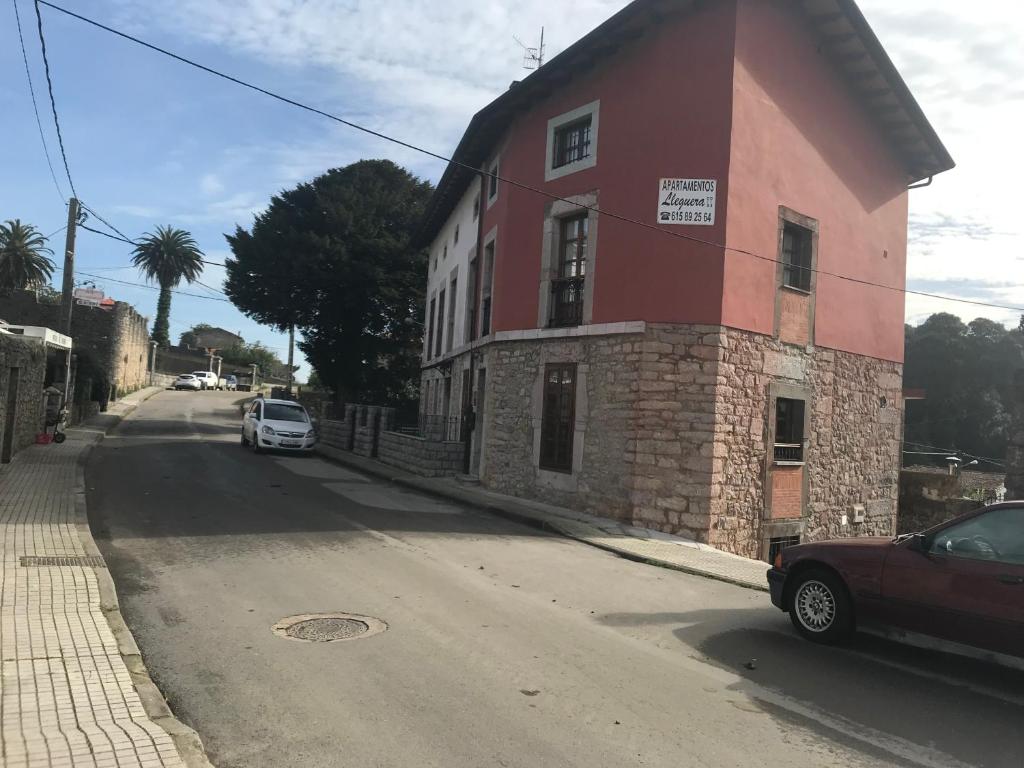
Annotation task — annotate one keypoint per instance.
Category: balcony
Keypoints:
(566, 302)
(789, 453)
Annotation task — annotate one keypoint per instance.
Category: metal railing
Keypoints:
(793, 452)
(566, 302)
(434, 427)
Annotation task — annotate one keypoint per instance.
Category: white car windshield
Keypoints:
(279, 412)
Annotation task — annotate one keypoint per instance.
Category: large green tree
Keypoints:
(24, 258)
(967, 373)
(334, 258)
(167, 257)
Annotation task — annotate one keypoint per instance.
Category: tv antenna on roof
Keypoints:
(533, 58)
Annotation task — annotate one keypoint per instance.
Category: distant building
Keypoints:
(704, 371)
(216, 338)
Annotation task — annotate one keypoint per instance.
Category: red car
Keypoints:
(961, 581)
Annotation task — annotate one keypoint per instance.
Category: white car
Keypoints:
(208, 379)
(278, 425)
(187, 381)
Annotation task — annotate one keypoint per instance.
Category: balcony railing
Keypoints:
(566, 302)
(789, 452)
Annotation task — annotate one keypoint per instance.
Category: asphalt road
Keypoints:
(506, 646)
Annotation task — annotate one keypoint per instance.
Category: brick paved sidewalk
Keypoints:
(635, 543)
(66, 695)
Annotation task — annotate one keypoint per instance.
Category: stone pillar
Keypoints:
(1015, 448)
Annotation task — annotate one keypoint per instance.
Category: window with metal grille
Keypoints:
(487, 289)
(450, 331)
(797, 243)
(567, 288)
(572, 142)
(789, 429)
(779, 543)
(430, 331)
(558, 418)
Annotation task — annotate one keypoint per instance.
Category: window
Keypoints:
(567, 288)
(796, 256)
(485, 323)
(558, 417)
(450, 332)
(492, 185)
(572, 143)
(456, 238)
(440, 319)
(789, 430)
(444, 254)
(471, 300)
(996, 536)
(430, 331)
(476, 207)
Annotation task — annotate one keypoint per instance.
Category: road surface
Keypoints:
(505, 646)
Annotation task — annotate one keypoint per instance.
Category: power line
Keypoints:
(511, 182)
(949, 451)
(35, 106)
(109, 226)
(53, 102)
(144, 285)
(57, 231)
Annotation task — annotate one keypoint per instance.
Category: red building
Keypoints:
(666, 273)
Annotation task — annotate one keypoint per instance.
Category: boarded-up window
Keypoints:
(558, 420)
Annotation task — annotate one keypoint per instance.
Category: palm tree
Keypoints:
(167, 257)
(23, 257)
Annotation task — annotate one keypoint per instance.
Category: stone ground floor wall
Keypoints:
(674, 431)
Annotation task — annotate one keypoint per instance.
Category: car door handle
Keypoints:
(1012, 580)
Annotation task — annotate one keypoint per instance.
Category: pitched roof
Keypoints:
(845, 37)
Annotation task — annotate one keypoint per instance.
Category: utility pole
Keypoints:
(291, 357)
(67, 294)
(152, 363)
(67, 298)
(220, 362)
(252, 386)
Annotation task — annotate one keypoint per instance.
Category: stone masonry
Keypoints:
(429, 458)
(28, 358)
(677, 423)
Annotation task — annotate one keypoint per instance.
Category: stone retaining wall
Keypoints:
(429, 458)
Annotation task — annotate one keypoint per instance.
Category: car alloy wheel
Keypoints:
(815, 606)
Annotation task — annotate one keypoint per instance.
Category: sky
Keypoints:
(150, 141)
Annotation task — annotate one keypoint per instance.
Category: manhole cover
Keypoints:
(328, 627)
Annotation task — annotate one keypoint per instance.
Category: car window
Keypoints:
(255, 410)
(997, 535)
(279, 412)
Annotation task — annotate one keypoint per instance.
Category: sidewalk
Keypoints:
(641, 544)
(73, 691)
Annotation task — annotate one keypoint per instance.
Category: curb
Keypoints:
(390, 474)
(186, 740)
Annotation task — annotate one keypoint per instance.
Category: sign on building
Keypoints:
(687, 201)
(87, 302)
(88, 293)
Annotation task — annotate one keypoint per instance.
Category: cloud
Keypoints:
(210, 185)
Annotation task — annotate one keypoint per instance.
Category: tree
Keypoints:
(24, 258)
(334, 257)
(167, 257)
(967, 374)
(244, 355)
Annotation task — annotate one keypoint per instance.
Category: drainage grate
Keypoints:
(86, 561)
(328, 627)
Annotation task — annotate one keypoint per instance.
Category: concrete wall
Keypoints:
(29, 358)
(430, 458)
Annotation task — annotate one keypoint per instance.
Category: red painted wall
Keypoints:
(665, 111)
(735, 92)
(800, 139)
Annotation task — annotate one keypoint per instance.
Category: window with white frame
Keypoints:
(572, 141)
